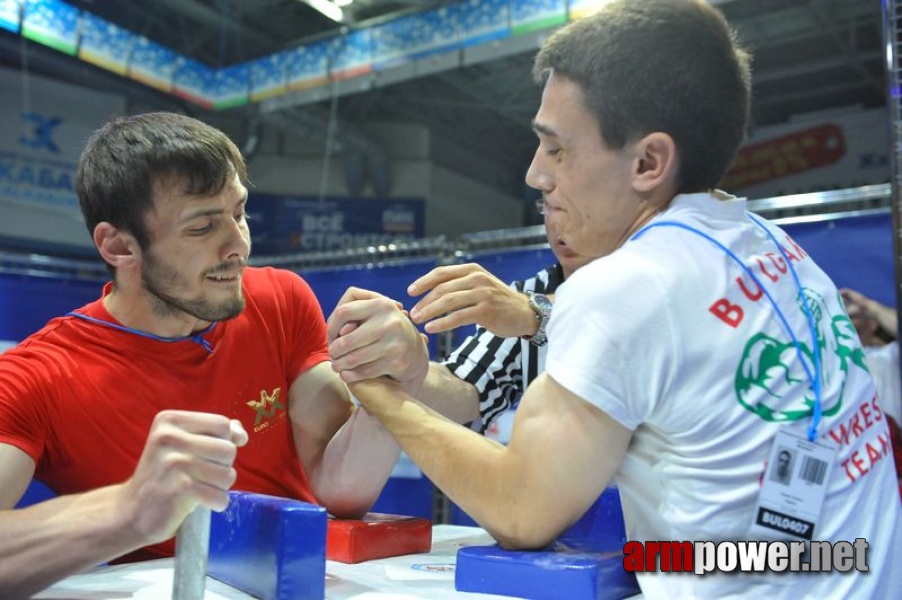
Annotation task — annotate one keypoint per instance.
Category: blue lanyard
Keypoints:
(813, 378)
(188, 338)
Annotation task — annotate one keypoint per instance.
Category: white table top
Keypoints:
(415, 576)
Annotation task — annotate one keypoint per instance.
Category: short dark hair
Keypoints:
(673, 66)
(125, 159)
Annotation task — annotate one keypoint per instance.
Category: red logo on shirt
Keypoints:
(267, 408)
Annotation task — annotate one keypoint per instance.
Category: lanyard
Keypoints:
(813, 378)
(188, 338)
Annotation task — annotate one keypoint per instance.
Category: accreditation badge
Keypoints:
(793, 488)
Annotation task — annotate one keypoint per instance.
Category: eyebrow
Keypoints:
(544, 129)
(209, 212)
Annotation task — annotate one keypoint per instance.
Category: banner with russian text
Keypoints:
(282, 225)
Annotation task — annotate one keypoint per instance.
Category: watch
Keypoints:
(541, 305)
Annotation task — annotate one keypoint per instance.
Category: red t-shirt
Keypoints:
(79, 397)
(895, 436)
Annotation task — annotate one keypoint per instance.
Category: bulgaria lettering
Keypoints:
(769, 267)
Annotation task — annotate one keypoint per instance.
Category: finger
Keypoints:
(203, 447)
(372, 347)
(357, 358)
(200, 423)
(219, 476)
(351, 296)
(441, 301)
(377, 359)
(348, 328)
(340, 317)
(358, 311)
(355, 293)
(387, 325)
(210, 496)
(237, 433)
(353, 338)
(452, 320)
(440, 275)
(353, 312)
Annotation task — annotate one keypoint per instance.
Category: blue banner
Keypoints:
(856, 252)
(281, 225)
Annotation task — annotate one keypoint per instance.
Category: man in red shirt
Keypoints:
(133, 408)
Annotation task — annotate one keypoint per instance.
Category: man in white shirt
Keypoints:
(700, 342)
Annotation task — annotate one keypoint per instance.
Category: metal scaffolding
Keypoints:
(816, 206)
(892, 36)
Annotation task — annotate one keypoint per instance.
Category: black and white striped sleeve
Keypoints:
(501, 368)
(492, 365)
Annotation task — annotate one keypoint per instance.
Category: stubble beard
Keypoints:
(159, 279)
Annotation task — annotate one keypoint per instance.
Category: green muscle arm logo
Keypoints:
(770, 372)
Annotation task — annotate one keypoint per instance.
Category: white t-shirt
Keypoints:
(671, 338)
(883, 361)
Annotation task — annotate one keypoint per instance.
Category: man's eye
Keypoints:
(554, 151)
(200, 230)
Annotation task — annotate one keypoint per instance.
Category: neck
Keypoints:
(645, 215)
(137, 309)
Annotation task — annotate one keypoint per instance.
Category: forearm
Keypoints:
(477, 473)
(44, 543)
(355, 466)
(886, 317)
(449, 395)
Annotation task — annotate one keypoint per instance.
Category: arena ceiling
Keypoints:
(810, 55)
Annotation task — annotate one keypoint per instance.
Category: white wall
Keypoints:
(460, 205)
(302, 176)
(41, 223)
(455, 203)
(43, 127)
(285, 164)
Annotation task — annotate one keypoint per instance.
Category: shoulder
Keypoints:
(625, 293)
(545, 281)
(55, 349)
(259, 277)
(627, 267)
(272, 289)
(263, 281)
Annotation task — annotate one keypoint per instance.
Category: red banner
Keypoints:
(787, 155)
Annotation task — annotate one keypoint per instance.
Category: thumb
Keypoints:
(355, 293)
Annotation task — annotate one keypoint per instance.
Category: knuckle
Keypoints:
(164, 417)
(175, 463)
(167, 436)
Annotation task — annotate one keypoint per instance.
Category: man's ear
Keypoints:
(656, 162)
(116, 246)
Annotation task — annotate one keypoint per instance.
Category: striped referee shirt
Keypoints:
(501, 368)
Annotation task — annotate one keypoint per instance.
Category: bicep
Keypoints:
(569, 448)
(319, 404)
(16, 471)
